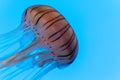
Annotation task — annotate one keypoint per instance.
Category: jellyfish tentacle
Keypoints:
(41, 71)
(14, 58)
(5, 50)
(28, 76)
(37, 62)
(5, 44)
(21, 41)
(12, 36)
(17, 30)
(4, 70)
(21, 69)
(14, 74)
(47, 68)
(11, 74)
(15, 61)
(8, 71)
(28, 72)
(44, 59)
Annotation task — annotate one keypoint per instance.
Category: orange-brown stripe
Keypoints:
(68, 41)
(61, 34)
(51, 20)
(42, 11)
(71, 53)
(43, 15)
(54, 22)
(58, 31)
(34, 8)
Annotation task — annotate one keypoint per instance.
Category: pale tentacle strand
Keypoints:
(13, 34)
(23, 64)
(38, 74)
(32, 58)
(21, 69)
(24, 39)
(25, 67)
(28, 57)
(18, 57)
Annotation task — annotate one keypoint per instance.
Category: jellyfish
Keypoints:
(46, 41)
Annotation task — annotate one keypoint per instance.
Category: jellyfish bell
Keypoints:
(52, 28)
(54, 43)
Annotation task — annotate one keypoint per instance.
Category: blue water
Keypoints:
(97, 26)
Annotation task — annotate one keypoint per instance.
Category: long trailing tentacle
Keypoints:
(22, 65)
(20, 38)
(21, 70)
(47, 68)
(30, 55)
(11, 37)
(26, 59)
(18, 56)
(14, 34)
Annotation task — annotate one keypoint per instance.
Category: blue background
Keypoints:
(97, 26)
